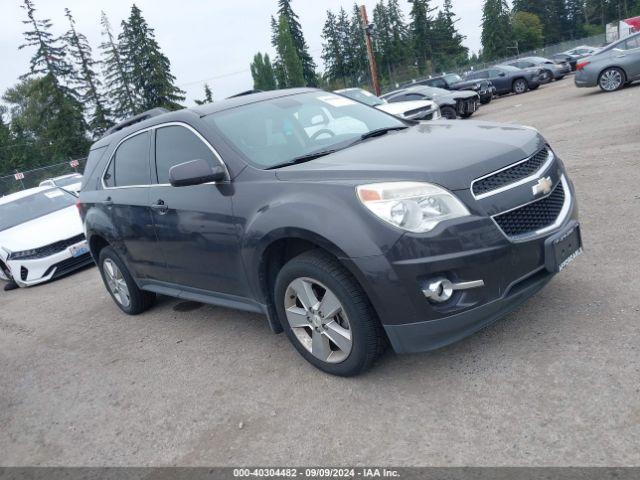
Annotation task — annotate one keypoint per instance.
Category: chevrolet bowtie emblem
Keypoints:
(544, 186)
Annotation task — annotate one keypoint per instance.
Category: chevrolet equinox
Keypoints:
(349, 228)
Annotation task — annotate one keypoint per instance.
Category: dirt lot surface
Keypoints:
(555, 383)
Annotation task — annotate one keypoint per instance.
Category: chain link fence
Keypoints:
(21, 180)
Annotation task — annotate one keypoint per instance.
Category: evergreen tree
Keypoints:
(300, 45)
(449, 52)
(382, 38)
(117, 82)
(148, 69)
(399, 35)
(291, 63)
(208, 96)
(575, 17)
(87, 79)
(421, 33)
(333, 50)
(497, 38)
(358, 63)
(262, 72)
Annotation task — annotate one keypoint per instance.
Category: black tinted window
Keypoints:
(175, 145)
(130, 164)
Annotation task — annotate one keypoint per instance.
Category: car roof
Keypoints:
(200, 111)
(22, 194)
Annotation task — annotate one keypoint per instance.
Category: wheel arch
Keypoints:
(624, 72)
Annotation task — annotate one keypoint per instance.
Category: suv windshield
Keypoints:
(452, 78)
(277, 131)
(34, 206)
(362, 96)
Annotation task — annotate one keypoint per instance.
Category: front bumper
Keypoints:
(469, 250)
(27, 273)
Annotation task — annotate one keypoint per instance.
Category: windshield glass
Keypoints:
(452, 78)
(65, 182)
(277, 131)
(431, 91)
(362, 96)
(509, 68)
(34, 206)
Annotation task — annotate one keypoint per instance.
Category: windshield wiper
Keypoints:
(381, 131)
(304, 158)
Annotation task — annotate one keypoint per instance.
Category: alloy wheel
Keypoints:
(116, 283)
(520, 86)
(611, 80)
(318, 320)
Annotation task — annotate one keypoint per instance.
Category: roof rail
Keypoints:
(242, 94)
(154, 112)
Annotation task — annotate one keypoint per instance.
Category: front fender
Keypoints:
(98, 223)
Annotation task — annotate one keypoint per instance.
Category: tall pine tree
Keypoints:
(87, 79)
(292, 70)
(208, 96)
(118, 85)
(262, 72)
(497, 38)
(421, 33)
(448, 50)
(147, 68)
(334, 51)
(300, 45)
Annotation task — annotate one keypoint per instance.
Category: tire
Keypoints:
(612, 79)
(486, 100)
(120, 284)
(547, 78)
(449, 113)
(352, 322)
(520, 85)
(534, 88)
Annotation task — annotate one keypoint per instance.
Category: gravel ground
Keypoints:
(555, 383)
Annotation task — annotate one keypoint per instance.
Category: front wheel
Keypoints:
(120, 284)
(327, 316)
(520, 86)
(486, 99)
(449, 113)
(612, 79)
(546, 76)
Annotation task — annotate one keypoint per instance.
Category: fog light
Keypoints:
(441, 289)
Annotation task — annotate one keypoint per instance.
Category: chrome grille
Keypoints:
(533, 216)
(511, 174)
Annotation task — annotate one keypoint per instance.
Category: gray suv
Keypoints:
(347, 236)
(613, 67)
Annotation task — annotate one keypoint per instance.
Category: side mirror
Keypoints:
(502, 74)
(195, 172)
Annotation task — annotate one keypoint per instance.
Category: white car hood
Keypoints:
(42, 231)
(399, 108)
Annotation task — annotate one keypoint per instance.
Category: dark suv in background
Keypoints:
(452, 81)
(507, 79)
(347, 237)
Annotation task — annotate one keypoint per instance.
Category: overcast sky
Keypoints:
(209, 41)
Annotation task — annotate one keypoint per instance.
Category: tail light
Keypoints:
(581, 65)
(79, 205)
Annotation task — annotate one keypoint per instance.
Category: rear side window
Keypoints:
(631, 43)
(130, 163)
(175, 145)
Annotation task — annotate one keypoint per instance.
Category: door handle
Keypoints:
(160, 207)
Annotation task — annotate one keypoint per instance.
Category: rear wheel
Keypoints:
(120, 284)
(612, 79)
(327, 316)
(520, 86)
(449, 113)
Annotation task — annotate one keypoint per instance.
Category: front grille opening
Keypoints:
(512, 174)
(533, 216)
(24, 273)
(53, 248)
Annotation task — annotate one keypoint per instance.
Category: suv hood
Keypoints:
(449, 153)
(42, 231)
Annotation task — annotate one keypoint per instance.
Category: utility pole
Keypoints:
(373, 67)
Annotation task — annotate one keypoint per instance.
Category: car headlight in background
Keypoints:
(24, 254)
(412, 206)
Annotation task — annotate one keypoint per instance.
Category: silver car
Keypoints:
(613, 67)
(549, 69)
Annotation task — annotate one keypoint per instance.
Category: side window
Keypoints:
(414, 96)
(631, 44)
(439, 82)
(130, 164)
(175, 145)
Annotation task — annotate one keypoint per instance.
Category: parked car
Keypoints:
(612, 67)
(418, 234)
(508, 79)
(572, 56)
(41, 236)
(462, 103)
(549, 70)
(412, 110)
(71, 182)
(452, 81)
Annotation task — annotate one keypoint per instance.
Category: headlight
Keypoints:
(22, 255)
(412, 206)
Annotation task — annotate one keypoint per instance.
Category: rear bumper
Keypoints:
(584, 80)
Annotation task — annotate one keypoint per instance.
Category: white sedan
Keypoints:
(410, 110)
(71, 182)
(41, 236)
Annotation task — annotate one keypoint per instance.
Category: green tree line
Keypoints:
(68, 98)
